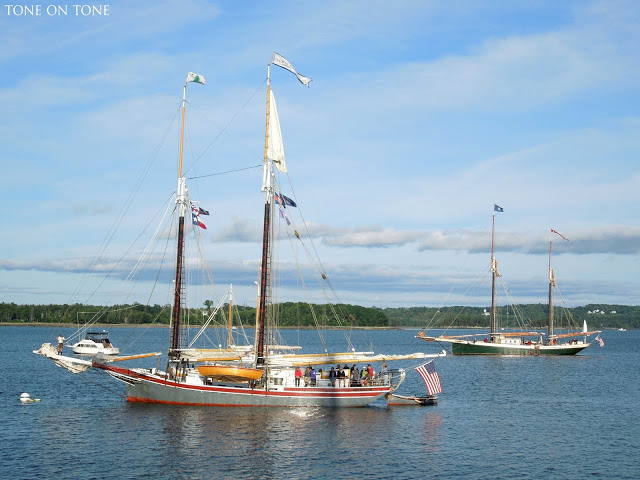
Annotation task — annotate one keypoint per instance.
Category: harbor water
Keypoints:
(498, 418)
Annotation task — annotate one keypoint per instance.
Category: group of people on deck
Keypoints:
(339, 375)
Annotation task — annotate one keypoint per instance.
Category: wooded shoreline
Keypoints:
(302, 315)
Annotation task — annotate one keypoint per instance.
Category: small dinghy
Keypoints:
(399, 400)
(431, 381)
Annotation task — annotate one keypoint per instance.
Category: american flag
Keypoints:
(430, 377)
(600, 341)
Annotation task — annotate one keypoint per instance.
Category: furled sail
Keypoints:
(276, 147)
(74, 365)
(353, 357)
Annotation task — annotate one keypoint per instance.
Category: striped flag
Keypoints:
(430, 377)
(600, 341)
(195, 217)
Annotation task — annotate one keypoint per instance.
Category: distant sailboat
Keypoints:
(500, 342)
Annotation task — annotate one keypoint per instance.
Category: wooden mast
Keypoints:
(181, 201)
(265, 262)
(552, 282)
(494, 272)
(229, 340)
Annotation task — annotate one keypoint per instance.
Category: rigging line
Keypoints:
(227, 125)
(85, 377)
(124, 254)
(155, 284)
(105, 309)
(470, 296)
(224, 173)
(316, 263)
(430, 323)
(317, 257)
(148, 249)
(135, 340)
(124, 209)
(518, 313)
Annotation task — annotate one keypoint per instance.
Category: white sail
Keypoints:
(584, 327)
(276, 147)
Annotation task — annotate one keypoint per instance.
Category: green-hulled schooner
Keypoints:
(501, 342)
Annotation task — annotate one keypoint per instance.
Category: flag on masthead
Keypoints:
(194, 77)
(284, 63)
(558, 233)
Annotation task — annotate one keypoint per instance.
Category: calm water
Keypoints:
(498, 418)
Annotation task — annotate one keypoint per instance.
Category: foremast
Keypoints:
(181, 205)
(493, 326)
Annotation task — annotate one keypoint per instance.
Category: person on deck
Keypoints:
(298, 376)
(332, 376)
(61, 340)
(307, 376)
(355, 376)
(312, 376)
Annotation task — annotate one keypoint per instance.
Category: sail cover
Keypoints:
(276, 147)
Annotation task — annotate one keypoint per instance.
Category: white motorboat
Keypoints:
(94, 343)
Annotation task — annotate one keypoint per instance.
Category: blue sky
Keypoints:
(421, 115)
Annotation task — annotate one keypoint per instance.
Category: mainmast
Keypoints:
(266, 253)
(273, 155)
(552, 283)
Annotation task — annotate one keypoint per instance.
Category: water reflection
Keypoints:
(307, 442)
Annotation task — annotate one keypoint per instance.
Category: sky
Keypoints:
(420, 117)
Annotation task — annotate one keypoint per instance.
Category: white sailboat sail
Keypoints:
(276, 146)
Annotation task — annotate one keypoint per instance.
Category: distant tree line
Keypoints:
(291, 314)
(596, 315)
(287, 314)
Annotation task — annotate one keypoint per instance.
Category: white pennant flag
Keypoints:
(275, 148)
(284, 63)
(194, 77)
